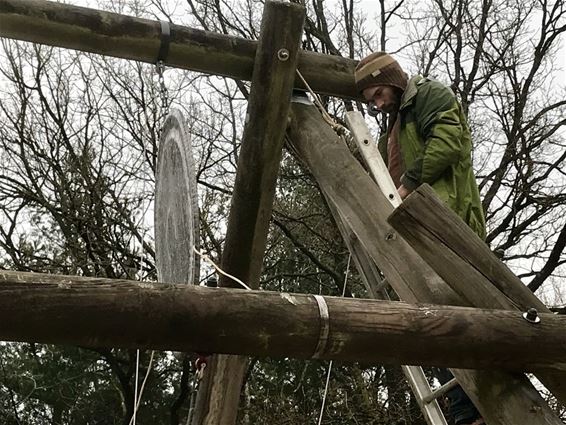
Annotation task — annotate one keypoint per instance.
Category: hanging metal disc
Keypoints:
(176, 205)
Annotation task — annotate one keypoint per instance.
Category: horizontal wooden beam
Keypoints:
(111, 34)
(98, 312)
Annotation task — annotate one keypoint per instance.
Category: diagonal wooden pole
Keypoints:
(467, 264)
(252, 200)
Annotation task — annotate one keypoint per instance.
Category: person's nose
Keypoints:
(378, 104)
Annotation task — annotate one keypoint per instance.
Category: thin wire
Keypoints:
(331, 362)
(137, 398)
(133, 420)
(208, 260)
(137, 405)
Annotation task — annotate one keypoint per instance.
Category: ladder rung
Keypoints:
(440, 391)
(382, 285)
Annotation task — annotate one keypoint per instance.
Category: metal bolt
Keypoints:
(390, 236)
(531, 316)
(283, 54)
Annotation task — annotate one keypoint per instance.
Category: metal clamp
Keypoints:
(324, 326)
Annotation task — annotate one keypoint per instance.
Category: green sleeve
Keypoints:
(438, 122)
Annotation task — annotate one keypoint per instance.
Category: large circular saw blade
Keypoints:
(176, 205)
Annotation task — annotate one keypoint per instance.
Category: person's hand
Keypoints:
(403, 192)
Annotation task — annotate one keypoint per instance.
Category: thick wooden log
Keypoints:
(466, 263)
(502, 398)
(120, 313)
(111, 34)
(254, 188)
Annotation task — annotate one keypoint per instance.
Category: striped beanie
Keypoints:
(379, 69)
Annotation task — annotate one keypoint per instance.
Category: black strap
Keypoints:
(165, 39)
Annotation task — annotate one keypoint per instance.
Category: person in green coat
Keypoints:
(427, 141)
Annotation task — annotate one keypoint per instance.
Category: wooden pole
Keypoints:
(254, 189)
(466, 263)
(502, 398)
(111, 34)
(96, 312)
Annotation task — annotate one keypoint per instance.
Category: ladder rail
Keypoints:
(425, 396)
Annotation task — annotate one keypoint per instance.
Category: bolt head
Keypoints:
(283, 55)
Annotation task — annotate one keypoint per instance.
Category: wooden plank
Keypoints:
(466, 262)
(95, 312)
(111, 34)
(501, 397)
(254, 188)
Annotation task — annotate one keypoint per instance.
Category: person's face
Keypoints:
(384, 98)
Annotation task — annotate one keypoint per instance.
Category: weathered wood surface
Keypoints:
(176, 205)
(111, 34)
(95, 312)
(502, 398)
(254, 188)
(466, 263)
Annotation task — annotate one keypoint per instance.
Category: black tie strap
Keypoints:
(165, 39)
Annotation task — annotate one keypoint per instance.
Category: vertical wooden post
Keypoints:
(252, 200)
(502, 398)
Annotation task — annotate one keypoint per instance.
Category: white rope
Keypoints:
(208, 260)
(331, 362)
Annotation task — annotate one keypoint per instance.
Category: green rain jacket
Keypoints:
(436, 147)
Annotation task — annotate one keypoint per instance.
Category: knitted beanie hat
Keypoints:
(379, 69)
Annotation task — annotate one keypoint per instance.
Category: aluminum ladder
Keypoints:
(426, 397)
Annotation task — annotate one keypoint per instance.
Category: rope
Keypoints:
(338, 128)
(136, 404)
(331, 362)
